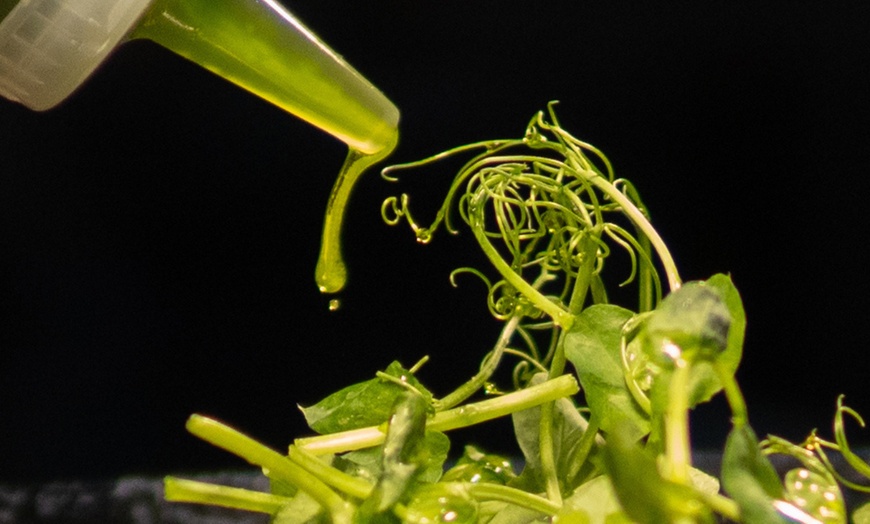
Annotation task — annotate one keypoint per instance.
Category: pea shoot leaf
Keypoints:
(367, 463)
(704, 383)
(862, 514)
(749, 477)
(706, 321)
(642, 492)
(593, 347)
(597, 500)
(404, 454)
(367, 403)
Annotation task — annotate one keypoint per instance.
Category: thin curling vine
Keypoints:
(540, 203)
(601, 393)
(545, 210)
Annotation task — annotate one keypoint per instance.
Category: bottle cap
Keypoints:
(49, 47)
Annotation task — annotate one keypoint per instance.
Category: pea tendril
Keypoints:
(601, 394)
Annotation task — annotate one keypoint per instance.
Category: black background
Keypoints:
(158, 231)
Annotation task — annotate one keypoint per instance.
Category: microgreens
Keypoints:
(601, 392)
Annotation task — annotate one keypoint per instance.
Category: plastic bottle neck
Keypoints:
(261, 47)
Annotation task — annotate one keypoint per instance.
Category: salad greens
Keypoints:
(601, 393)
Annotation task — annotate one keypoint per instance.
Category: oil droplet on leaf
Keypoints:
(436, 505)
(816, 495)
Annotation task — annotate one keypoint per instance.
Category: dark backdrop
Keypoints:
(158, 231)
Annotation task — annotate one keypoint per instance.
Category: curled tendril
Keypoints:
(636, 367)
(503, 300)
(842, 445)
(472, 271)
(811, 491)
(394, 209)
(545, 207)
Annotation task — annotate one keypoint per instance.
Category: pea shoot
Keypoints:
(600, 395)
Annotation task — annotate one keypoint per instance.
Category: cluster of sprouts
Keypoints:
(546, 210)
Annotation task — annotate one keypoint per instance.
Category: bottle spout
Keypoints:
(262, 47)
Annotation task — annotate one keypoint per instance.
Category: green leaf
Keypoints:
(812, 488)
(433, 503)
(693, 317)
(301, 510)
(642, 492)
(704, 382)
(368, 463)
(862, 514)
(368, 403)
(594, 348)
(499, 512)
(701, 322)
(749, 477)
(476, 466)
(405, 456)
(597, 500)
(816, 494)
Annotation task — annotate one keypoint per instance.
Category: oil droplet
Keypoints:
(816, 495)
(435, 505)
(334, 304)
(424, 235)
(331, 272)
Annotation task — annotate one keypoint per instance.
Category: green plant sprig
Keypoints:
(468, 415)
(548, 212)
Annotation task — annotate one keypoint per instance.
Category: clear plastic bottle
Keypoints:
(48, 48)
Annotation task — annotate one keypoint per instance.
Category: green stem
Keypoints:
(492, 361)
(271, 461)
(464, 416)
(548, 454)
(640, 220)
(588, 251)
(721, 505)
(629, 329)
(464, 391)
(182, 490)
(583, 448)
(645, 281)
(560, 316)
(484, 491)
(739, 414)
(677, 446)
(353, 486)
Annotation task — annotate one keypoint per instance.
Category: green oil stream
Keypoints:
(331, 272)
(264, 49)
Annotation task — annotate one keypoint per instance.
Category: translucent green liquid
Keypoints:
(261, 47)
(258, 45)
(331, 272)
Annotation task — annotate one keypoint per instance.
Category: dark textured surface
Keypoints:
(139, 500)
(136, 500)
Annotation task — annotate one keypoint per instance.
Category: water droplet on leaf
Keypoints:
(435, 504)
(816, 495)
